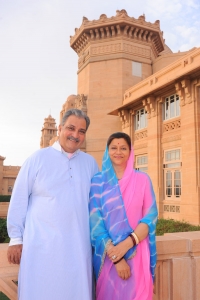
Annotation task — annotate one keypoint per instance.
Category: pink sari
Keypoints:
(138, 197)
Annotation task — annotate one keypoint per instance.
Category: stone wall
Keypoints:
(177, 273)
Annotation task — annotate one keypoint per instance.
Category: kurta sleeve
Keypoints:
(20, 199)
(150, 216)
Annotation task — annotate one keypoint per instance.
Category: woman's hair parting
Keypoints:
(119, 135)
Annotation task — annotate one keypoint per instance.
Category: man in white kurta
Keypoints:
(48, 214)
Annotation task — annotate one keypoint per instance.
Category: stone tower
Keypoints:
(114, 54)
(49, 131)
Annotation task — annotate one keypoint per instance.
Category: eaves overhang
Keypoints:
(174, 72)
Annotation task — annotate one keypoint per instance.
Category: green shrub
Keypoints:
(170, 226)
(5, 198)
(3, 231)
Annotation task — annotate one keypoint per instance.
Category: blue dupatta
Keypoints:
(108, 219)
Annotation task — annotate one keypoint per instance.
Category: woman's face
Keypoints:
(119, 152)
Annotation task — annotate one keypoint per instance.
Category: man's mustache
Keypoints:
(71, 138)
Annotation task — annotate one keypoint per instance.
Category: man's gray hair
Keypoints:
(75, 112)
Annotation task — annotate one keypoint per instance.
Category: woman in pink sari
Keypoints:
(123, 216)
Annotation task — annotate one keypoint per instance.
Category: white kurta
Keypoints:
(49, 210)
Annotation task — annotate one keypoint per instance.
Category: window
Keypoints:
(171, 107)
(10, 188)
(142, 163)
(136, 69)
(140, 119)
(172, 173)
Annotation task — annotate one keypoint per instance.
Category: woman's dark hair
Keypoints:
(119, 135)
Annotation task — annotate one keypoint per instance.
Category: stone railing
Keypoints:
(177, 273)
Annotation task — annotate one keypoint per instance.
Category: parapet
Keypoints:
(120, 25)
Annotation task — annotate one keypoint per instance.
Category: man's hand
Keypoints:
(14, 254)
(123, 269)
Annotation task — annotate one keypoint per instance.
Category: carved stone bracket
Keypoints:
(124, 117)
(184, 90)
(81, 102)
(195, 88)
(150, 106)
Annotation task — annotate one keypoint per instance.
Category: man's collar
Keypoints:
(58, 147)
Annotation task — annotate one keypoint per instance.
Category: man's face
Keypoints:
(72, 134)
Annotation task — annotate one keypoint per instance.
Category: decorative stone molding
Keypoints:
(124, 117)
(111, 48)
(150, 106)
(171, 139)
(171, 208)
(120, 25)
(140, 146)
(171, 125)
(141, 135)
(136, 50)
(84, 56)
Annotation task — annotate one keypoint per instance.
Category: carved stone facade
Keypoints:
(158, 105)
(169, 100)
(8, 176)
(125, 69)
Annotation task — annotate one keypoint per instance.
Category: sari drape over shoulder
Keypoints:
(116, 208)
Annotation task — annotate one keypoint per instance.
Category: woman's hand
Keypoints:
(123, 269)
(119, 250)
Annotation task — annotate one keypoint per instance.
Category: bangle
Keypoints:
(135, 237)
(118, 261)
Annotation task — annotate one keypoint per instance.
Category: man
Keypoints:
(48, 215)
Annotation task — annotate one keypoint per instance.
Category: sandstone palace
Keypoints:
(129, 80)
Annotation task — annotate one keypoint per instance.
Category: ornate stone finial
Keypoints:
(142, 17)
(85, 19)
(157, 22)
(102, 17)
(121, 12)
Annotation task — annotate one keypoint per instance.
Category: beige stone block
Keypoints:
(196, 277)
(181, 276)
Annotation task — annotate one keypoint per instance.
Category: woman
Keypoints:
(123, 216)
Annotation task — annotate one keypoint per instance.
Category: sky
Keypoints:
(38, 69)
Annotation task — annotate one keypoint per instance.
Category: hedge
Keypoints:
(3, 231)
(5, 198)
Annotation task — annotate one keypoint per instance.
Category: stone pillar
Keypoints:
(154, 145)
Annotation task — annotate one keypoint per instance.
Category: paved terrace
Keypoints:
(177, 275)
